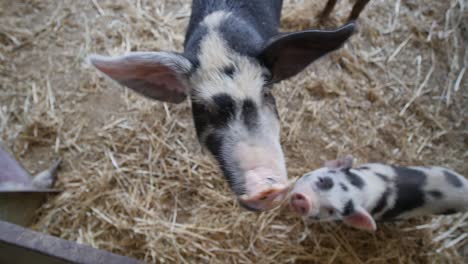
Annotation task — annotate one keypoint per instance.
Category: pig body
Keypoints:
(378, 192)
(233, 54)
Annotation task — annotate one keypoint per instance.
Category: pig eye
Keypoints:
(267, 77)
(330, 211)
(325, 183)
(266, 93)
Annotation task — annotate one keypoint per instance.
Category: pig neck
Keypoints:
(246, 26)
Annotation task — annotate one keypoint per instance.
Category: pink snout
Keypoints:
(264, 189)
(300, 204)
(266, 199)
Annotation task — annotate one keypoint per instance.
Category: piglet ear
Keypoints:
(345, 162)
(157, 75)
(289, 53)
(360, 219)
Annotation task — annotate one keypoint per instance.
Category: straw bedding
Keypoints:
(137, 183)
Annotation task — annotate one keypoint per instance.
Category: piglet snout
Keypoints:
(300, 204)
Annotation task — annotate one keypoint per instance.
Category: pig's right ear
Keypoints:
(345, 162)
(360, 219)
(160, 76)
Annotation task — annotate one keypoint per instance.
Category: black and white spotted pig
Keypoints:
(233, 54)
(376, 191)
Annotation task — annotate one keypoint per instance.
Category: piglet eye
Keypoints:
(330, 211)
(324, 183)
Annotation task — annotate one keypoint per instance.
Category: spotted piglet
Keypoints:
(360, 196)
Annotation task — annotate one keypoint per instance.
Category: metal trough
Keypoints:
(20, 245)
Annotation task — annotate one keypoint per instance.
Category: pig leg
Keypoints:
(327, 10)
(45, 179)
(357, 9)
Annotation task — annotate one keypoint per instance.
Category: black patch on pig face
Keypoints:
(343, 187)
(348, 208)
(224, 110)
(382, 202)
(354, 179)
(324, 183)
(408, 183)
(436, 194)
(229, 71)
(201, 116)
(250, 114)
(214, 143)
(382, 177)
(449, 212)
(216, 114)
(453, 179)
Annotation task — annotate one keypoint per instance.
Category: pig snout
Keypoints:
(264, 189)
(304, 201)
(300, 204)
(265, 177)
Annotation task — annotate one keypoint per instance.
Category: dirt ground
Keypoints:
(137, 183)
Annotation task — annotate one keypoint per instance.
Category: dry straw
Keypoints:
(136, 181)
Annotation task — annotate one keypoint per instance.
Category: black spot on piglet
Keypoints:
(354, 179)
(324, 183)
(348, 208)
(436, 194)
(410, 195)
(382, 177)
(453, 179)
(382, 203)
(363, 168)
(344, 187)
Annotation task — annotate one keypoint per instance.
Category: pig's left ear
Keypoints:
(360, 219)
(289, 53)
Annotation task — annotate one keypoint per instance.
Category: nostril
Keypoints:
(298, 196)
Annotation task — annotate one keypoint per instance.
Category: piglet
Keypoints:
(377, 192)
(13, 177)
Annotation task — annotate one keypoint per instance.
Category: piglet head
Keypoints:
(327, 195)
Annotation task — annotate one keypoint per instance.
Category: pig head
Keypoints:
(233, 55)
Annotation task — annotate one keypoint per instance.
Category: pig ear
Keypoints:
(360, 219)
(345, 162)
(288, 54)
(157, 75)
